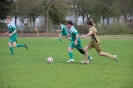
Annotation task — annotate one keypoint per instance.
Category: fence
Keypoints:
(32, 33)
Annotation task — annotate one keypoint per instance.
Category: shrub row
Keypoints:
(113, 29)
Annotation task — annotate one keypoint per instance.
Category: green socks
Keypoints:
(11, 49)
(60, 39)
(17, 45)
(20, 45)
(71, 55)
(89, 57)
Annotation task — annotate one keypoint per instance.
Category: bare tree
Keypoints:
(29, 9)
(47, 4)
(58, 11)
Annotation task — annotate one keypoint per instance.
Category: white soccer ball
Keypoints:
(49, 59)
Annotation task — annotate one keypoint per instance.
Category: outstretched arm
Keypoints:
(90, 33)
(67, 36)
(6, 32)
(58, 30)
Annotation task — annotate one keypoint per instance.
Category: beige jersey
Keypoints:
(94, 36)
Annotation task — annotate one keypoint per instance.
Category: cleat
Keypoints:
(91, 59)
(115, 58)
(86, 62)
(11, 54)
(71, 60)
(25, 45)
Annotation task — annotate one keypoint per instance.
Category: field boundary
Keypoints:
(55, 35)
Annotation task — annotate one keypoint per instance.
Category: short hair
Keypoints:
(70, 22)
(90, 23)
(9, 17)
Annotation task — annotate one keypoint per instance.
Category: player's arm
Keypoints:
(76, 41)
(67, 36)
(13, 32)
(77, 36)
(58, 30)
(6, 32)
(90, 33)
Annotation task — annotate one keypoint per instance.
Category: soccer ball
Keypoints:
(49, 59)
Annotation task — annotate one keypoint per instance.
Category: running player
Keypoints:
(75, 43)
(63, 32)
(13, 36)
(95, 43)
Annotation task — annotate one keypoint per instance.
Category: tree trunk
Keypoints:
(33, 21)
(47, 20)
(108, 20)
(15, 20)
(30, 22)
(83, 19)
(103, 20)
(118, 19)
(47, 16)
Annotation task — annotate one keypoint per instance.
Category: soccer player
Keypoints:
(75, 43)
(63, 32)
(13, 36)
(95, 43)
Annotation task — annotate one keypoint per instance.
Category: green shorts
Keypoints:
(72, 45)
(13, 38)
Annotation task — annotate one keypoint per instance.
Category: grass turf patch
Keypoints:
(29, 69)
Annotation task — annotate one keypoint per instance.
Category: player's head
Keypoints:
(69, 24)
(89, 24)
(8, 19)
(60, 23)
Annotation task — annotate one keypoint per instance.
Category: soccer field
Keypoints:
(29, 69)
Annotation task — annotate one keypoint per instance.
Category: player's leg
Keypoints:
(21, 45)
(71, 46)
(18, 45)
(11, 48)
(11, 40)
(60, 38)
(108, 55)
(79, 48)
(83, 52)
(101, 53)
(86, 55)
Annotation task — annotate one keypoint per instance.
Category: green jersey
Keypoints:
(11, 28)
(64, 30)
(73, 33)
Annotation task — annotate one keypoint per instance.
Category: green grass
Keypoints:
(29, 69)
